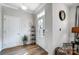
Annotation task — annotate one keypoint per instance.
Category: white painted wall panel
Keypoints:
(0, 29)
(72, 14)
(48, 28)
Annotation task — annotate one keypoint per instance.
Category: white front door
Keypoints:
(41, 34)
(11, 31)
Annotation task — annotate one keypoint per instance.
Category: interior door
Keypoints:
(41, 32)
(11, 31)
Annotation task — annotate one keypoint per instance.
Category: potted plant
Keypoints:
(25, 39)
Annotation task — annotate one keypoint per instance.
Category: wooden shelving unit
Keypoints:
(33, 34)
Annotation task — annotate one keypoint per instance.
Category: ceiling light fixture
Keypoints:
(24, 7)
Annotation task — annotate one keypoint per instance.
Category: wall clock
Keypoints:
(62, 15)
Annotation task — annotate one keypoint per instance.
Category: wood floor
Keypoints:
(25, 50)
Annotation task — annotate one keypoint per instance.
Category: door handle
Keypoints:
(43, 31)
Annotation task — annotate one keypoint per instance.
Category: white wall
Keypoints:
(59, 37)
(26, 20)
(0, 30)
(72, 13)
(48, 27)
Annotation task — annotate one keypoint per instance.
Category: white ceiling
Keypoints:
(32, 7)
(72, 4)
